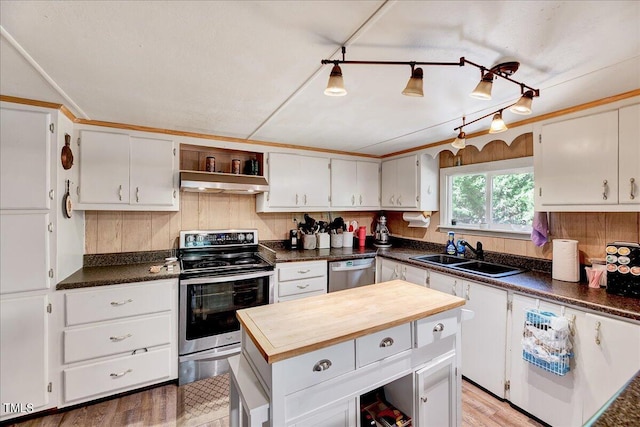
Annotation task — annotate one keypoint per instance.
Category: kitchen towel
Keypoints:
(565, 264)
(540, 229)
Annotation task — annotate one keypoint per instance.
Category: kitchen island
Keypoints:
(307, 362)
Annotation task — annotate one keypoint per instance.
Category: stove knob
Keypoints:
(249, 237)
(240, 237)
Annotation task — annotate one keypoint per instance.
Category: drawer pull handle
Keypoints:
(605, 189)
(304, 271)
(146, 350)
(120, 192)
(121, 374)
(387, 342)
(303, 286)
(120, 338)
(117, 303)
(597, 333)
(438, 328)
(632, 181)
(322, 365)
(424, 399)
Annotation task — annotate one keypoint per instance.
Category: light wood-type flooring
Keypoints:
(170, 405)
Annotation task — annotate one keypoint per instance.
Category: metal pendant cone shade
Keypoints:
(414, 86)
(523, 106)
(483, 89)
(335, 87)
(497, 125)
(460, 141)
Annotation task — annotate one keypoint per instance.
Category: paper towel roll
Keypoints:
(566, 262)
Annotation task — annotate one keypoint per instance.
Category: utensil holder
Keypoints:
(309, 241)
(347, 239)
(323, 240)
(337, 240)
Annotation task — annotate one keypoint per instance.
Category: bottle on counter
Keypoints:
(450, 247)
(460, 248)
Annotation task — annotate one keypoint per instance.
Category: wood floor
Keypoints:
(160, 407)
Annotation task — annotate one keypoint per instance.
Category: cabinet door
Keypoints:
(579, 161)
(28, 233)
(151, 169)
(283, 180)
(484, 338)
(104, 167)
(389, 184)
(341, 414)
(388, 270)
(629, 140)
(611, 355)
(25, 150)
(436, 393)
(407, 184)
(344, 177)
(315, 182)
(413, 274)
(368, 194)
(556, 400)
(25, 358)
(444, 283)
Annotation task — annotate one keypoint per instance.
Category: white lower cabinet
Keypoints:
(24, 365)
(118, 338)
(445, 283)
(436, 387)
(341, 414)
(390, 270)
(300, 279)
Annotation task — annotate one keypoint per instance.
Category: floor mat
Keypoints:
(203, 401)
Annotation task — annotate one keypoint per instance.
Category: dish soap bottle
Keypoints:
(460, 248)
(450, 248)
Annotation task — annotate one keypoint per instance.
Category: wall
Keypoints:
(593, 230)
(108, 232)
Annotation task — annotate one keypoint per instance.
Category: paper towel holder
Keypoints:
(418, 219)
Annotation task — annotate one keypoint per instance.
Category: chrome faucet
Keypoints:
(477, 251)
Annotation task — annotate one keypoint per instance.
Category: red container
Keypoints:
(362, 236)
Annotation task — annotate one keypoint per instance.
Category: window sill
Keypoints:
(505, 234)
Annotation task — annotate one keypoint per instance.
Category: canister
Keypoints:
(235, 166)
(211, 164)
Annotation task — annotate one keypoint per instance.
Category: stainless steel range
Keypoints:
(221, 272)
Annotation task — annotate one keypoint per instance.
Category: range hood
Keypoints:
(213, 182)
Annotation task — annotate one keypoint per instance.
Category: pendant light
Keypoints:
(460, 142)
(483, 89)
(523, 106)
(335, 86)
(497, 124)
(414, 85)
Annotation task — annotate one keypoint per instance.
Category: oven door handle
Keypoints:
(214, 354)
(222, 279)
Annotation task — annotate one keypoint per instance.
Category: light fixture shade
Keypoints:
(497, 125)
(335, 87)
(523, 106)
(460, 141)
(414, 85)
(483, 89)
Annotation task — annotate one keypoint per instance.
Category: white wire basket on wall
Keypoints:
(546, 341)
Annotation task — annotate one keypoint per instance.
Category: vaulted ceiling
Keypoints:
(251, 69)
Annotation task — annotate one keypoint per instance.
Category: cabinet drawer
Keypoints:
(379, 345)
(302, 271)
(117, 337)
(435, 328)
(304, 286)
(107, 304)
(298, 296)
(308, 369)
(116, 374)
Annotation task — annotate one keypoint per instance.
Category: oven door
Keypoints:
(208, 308)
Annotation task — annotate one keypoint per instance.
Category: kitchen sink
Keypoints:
(483, 268)
(440, 259)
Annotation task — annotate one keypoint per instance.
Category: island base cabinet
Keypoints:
(436, 393)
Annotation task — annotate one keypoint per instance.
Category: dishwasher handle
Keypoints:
(352, 268)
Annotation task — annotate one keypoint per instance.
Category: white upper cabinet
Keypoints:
(296, 183)
(629, 141)
(589, 163)
(122, 172)
(410, 183)
(355, 184)
(25, 149)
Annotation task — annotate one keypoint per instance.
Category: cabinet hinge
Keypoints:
(417, 162)
(49, 309)
(78, 190)
(268, 196)
(174, 194)
(52, 194)
(329, 165)
(540, 139)
(51, 273)
(78, 141)
(52, 127)
(329, 198)
(540, 192)
(456, 371)
(174, 151)
(507, 385)
(509, 305)
(50, 387)
(267, 160)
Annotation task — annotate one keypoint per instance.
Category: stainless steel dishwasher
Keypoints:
(352, 273)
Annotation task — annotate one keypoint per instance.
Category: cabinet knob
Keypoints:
(322, 365)
(605, 189)
(632, 182)
(121, 374)
(438, 328)
(387, 342)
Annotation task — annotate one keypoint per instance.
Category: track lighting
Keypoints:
(497, 124)
(335, 87)
(414, 85)
(523, 106)
(483, 89)
(460, 141)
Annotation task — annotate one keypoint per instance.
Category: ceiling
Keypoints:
(252, 69)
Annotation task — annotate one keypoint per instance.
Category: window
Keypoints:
(496, 196)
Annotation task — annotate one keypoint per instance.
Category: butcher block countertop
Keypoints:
(291, 328)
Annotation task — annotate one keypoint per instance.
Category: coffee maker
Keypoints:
(382, 233)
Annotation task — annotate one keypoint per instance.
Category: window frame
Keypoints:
(500, 167)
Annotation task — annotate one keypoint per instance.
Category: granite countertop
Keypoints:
(621, 409)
